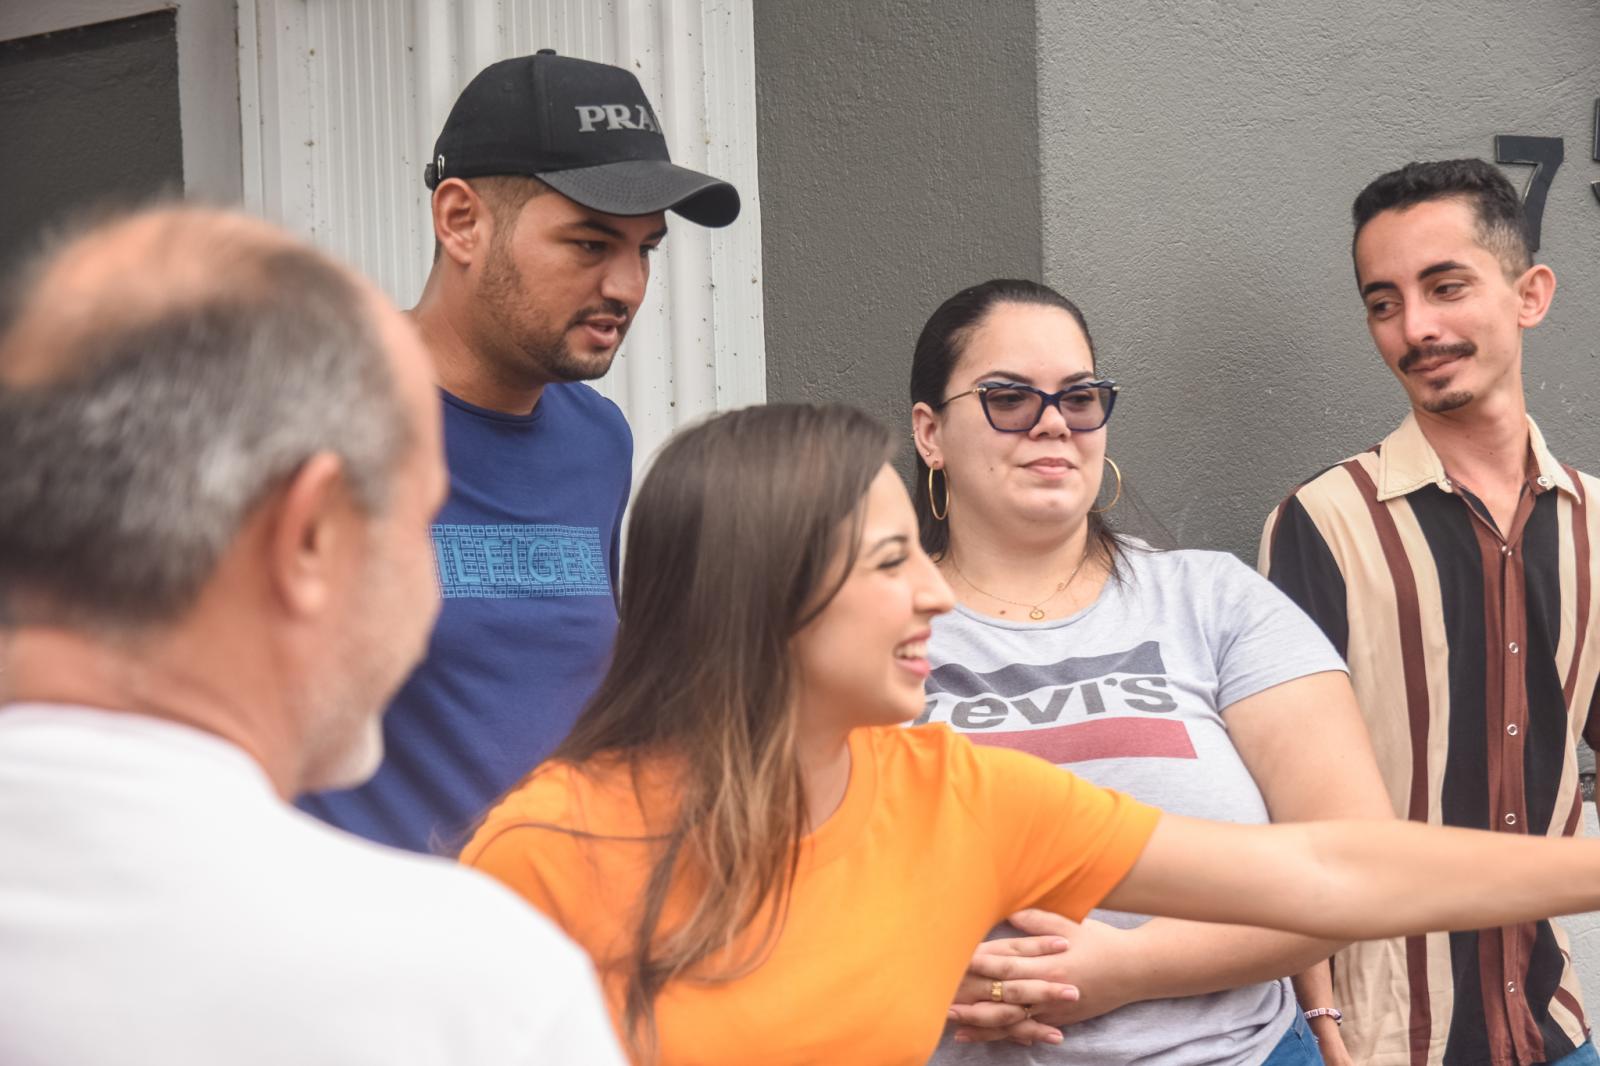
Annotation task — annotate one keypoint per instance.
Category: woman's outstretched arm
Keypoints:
(1307, 748)
(1357, 880)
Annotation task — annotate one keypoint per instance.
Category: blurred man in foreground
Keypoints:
(219, 459)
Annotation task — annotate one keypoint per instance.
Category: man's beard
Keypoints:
(1448, 401)
(557, 358)
(503, 293)
(1438, 405)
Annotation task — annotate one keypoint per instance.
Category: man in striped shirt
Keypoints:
(1455, 565)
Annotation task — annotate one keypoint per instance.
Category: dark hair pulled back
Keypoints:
(939, 348)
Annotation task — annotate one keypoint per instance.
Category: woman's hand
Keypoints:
(1023, 966)
(1040, 962)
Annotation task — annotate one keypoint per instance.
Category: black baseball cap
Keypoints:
(584, 129)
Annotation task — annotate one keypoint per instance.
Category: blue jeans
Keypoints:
(1584, 1056)
(1298, 1047)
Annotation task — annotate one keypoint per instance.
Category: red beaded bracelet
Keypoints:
(1330, 1012)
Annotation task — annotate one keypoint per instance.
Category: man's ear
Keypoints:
(308, 523)
(1535, 289)
(462, 223)
(925, 430)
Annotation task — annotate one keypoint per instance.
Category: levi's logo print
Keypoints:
(1095, 707)
(519, 561)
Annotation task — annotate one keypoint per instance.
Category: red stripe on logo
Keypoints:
(1107, 738)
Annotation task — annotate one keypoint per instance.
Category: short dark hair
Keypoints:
(504, 195)
(1501, 222)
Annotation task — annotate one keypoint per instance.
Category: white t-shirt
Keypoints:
(159, 904)
(1132, 693)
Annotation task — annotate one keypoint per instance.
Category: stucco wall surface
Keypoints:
(1199, 160)
(899, 162)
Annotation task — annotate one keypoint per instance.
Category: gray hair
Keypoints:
(125, 477)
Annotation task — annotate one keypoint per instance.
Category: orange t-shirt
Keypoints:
(935, 841)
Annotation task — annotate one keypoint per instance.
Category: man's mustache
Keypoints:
(608, 309)
(1413, 356)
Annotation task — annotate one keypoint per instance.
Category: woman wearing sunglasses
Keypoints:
(1181, 678)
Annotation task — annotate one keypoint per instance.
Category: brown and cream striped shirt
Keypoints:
(1474, 653)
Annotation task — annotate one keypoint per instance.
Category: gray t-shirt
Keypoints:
(1132, 693)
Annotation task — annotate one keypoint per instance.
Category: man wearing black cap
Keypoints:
(550, 183)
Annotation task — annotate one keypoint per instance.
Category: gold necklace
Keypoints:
(1035, 610)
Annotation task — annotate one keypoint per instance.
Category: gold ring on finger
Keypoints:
(997, 991)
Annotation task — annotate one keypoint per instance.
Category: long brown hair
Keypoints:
(731, 551)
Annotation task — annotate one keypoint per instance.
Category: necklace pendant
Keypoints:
(1036, 614)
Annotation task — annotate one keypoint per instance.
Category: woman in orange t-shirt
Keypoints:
(765, 867)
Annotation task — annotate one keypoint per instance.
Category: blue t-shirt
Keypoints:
(526, 549)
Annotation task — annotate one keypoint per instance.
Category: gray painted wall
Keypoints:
(899, 162)
(1199, 161)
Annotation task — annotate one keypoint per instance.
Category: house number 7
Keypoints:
(1544, 154)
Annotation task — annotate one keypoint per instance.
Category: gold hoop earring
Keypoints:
(932, 507)
(1115, 469)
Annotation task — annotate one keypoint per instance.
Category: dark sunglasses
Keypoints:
(1084, 407)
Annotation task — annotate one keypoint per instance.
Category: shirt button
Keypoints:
(1544, 482)
(1511, 819)
(1511, 986)
(1512, 729)
(1513, 647)
(1505, 549)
